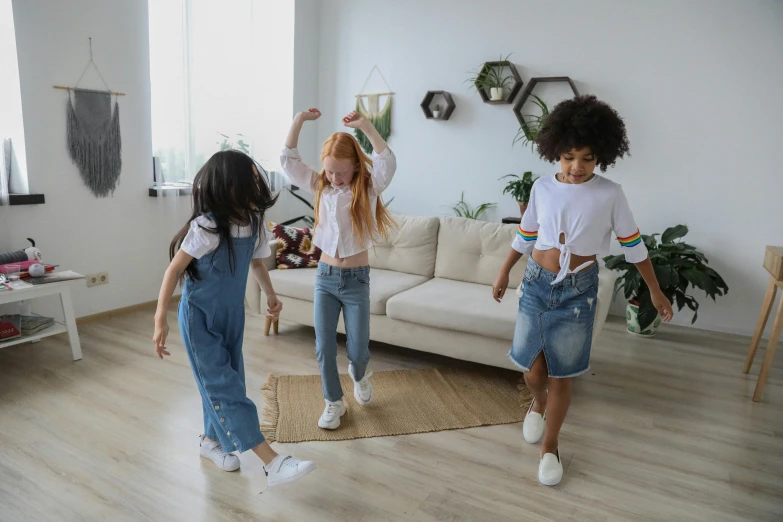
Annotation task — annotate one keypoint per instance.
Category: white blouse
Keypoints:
(199, 242)
(334, 233)
(586, 214)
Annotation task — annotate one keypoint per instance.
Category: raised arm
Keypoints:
(296, 170)
(384, 163)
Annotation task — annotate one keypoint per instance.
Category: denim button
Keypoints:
(217, 408)
(222, 420)
(228, 433)
(235, 444)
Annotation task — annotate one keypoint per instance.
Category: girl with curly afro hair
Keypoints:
(570, 219)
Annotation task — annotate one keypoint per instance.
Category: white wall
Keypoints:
(697, 82)
(128, 234)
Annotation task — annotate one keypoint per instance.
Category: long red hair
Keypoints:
(342, 145)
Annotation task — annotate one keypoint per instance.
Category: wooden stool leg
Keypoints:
(277, 326)
(766, 308)
(769, 355)
(268, 325)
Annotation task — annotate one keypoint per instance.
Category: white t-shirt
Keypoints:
(586, 214)
(199, 242)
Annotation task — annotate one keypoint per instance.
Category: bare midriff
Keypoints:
(355, 261)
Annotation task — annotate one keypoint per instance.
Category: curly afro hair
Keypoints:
(583, 121)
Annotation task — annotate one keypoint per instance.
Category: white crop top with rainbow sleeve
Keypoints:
(586, 214)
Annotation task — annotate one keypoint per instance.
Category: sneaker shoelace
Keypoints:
(288, 462)
(332, 408)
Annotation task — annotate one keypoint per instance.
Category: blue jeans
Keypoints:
(346, 290)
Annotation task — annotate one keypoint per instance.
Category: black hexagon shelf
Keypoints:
(512, 93)
(427, 101)
(529, 90)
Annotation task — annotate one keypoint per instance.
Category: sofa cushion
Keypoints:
(411, 246)
(473, 251)
(295, 248)
(456, 305)
(294, 283)
(384, 284)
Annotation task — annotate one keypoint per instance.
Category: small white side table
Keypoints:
(64, 290)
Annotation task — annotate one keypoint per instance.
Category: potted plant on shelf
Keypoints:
(534, 122)
(462, 209)
(678, 266)
(520, 188)
(436, 111)
(491, 79)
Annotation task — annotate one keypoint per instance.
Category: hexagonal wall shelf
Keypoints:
(512, 93)
(427, 101)
(529, 90)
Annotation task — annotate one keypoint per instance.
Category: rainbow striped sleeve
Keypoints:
(527, 236)
(630, 241)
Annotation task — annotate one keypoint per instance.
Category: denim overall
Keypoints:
(212, 324)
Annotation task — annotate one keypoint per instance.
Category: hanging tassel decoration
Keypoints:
(380, 120)
(94, 140)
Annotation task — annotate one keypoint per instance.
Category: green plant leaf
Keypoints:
(292, 221)
(672, 233)
(647, 311)
(300, 198)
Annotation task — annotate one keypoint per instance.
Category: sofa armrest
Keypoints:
(253, 293)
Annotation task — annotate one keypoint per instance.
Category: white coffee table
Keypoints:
(62, 288)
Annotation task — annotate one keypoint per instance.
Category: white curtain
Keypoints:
(222, 76)
(13, 159)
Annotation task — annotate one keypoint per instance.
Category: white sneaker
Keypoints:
(362, 390)
(330, 418)
(214, 452)
(285, 469)
(533, 427)
(550, 470)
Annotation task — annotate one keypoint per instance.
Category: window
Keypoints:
(13, 159)
(222, 76)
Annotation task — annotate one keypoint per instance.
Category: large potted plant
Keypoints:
(678, 267)
(519, 188)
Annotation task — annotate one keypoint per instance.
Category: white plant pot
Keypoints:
(436, 114)
(632, 322)
(496, 93)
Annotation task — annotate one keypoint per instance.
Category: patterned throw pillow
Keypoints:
(295, 248)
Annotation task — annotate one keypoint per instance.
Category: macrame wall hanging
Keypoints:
(94, 141)
(380, 118)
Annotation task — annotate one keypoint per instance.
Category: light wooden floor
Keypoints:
(660, 430)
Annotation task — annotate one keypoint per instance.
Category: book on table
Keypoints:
(32, 324)
(10, 327)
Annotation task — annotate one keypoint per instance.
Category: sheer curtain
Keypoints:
(222, 77)
(13, 156)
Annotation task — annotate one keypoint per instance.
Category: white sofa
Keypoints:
(430, 289)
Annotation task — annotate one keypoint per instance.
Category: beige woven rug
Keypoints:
(406, 401)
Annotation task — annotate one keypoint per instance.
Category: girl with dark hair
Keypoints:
(223, 240)
(570, 218)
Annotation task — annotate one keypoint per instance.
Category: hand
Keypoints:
(355, 120)
(273, 307)
(663, 305)
(309, 114)
(161, 333)
(499, 287)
